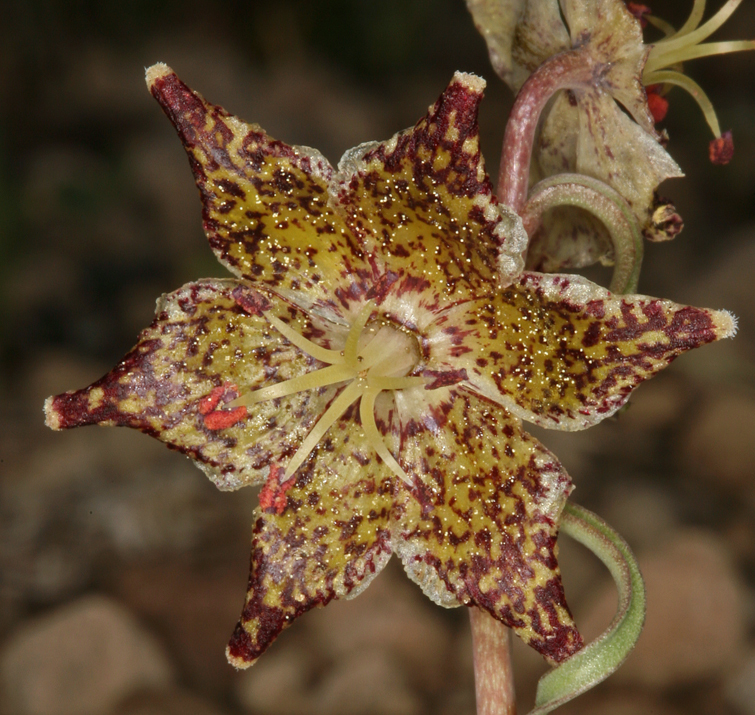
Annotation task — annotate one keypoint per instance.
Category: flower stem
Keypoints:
(603, 202)
(567, 70)
(494, 677)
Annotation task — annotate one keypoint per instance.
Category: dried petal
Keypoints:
(585, 130)
(610, 146)
(520, 35)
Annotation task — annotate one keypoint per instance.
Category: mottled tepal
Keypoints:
(370, 364)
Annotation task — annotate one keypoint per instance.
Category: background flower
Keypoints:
(600, 127)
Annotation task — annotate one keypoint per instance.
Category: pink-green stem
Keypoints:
(493, 674)
(570, 69)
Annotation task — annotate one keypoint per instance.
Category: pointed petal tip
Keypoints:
(237, 661)
(727, 324)
(472, 82)
(52, 417)
(156, 72)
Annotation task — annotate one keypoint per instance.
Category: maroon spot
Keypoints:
(596, 308)
(444, 378)
(591, 336)
(231, 188)
(382, 286)
(250, 300)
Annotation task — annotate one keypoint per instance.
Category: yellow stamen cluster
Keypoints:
(375, 358)
(687, 44)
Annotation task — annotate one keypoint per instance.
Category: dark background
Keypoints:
(99, 215)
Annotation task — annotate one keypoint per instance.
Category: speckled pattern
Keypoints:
(407, 235)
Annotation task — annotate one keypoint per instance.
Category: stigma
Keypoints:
(377, 356)
(664, 65)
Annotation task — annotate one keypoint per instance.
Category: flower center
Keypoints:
(376, 357)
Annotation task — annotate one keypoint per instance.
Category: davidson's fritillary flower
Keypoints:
(590, 54)
(370, 364)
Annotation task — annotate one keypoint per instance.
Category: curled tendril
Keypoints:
(604, 203)
(599, 659)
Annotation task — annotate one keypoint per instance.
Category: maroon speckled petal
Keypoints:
(322, 535)
(563, 352)
(482, 528)
(265, 203)
(423, 206)
(206, 347)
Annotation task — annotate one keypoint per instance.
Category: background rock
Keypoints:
(81, 659)
(695, 622)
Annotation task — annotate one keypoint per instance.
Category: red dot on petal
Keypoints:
(209, 403)
(222, 419)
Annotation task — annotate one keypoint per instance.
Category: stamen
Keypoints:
(350, 393)
(334, 357)
(371, 432)
(696, 36)
(352, 341)
(686, 45)
(696, 51)
(698, 10)
(376, 348)
(666, 28)
(310, 381)
(373, 360)
(681, 80)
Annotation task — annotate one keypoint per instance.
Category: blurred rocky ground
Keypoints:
(122, 570)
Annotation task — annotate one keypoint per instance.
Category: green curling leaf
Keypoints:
(599, 659)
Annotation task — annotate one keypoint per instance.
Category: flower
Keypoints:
(370, 364)
(600, 123)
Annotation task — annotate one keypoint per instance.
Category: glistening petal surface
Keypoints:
(423, 208)
(562, 352)
(482, 530)
(204, 346)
